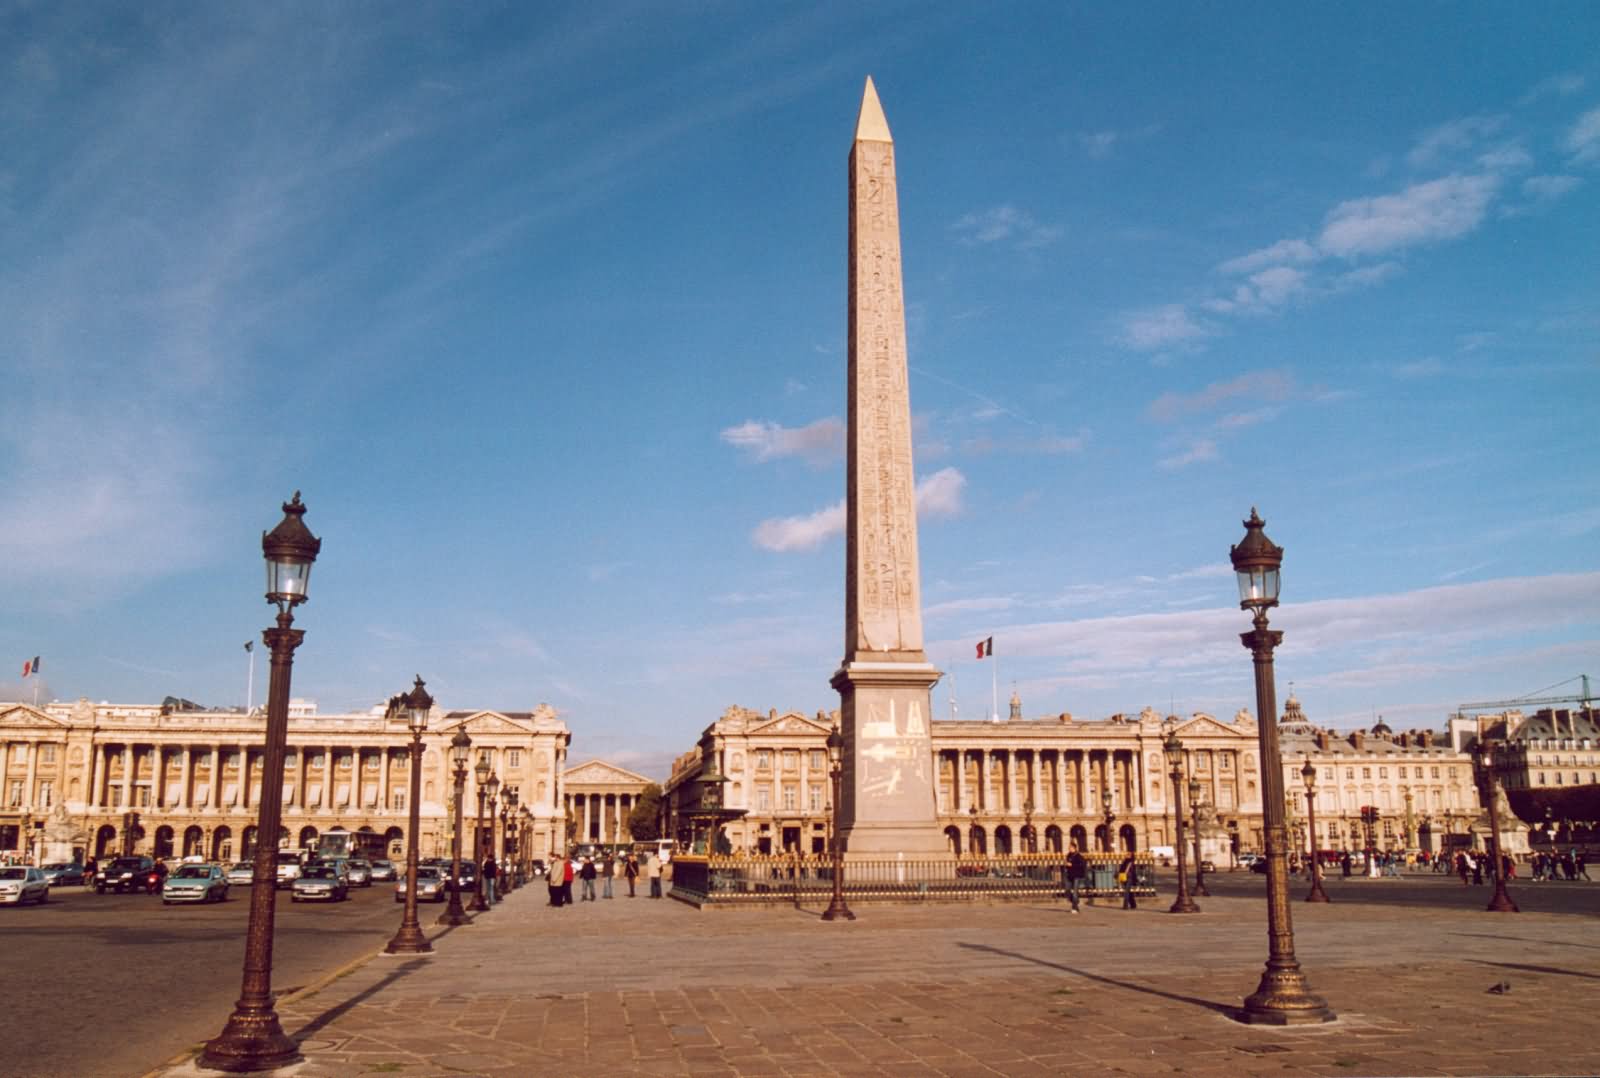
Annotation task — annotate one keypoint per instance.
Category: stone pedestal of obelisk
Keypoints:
(885, 682)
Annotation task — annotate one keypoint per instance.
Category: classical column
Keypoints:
(216, 777)
(28, 792)
(383, 781)
(127, 776)
(884, 681)
(985, 790)
(186, 777)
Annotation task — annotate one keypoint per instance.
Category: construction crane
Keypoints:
(1535, 700)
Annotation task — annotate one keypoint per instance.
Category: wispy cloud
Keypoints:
(1284, 252)
(1271, 385)
(820, 442)
(1583, 141)
(1449, 139)
(1200, 451)
(1162, 327)
(1099, 145)
(1005, 224)
(1422, 213)
(937, 495)
(1554, 86)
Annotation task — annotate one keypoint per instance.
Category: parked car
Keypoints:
(468, 880)
(320, 883)
(538, 867)
(195, 883)
(62, 874)
(430, 885)
(23, 883)
(127, 874)
(384, 871)
(360, 872)
(240, 872)
(288, 863)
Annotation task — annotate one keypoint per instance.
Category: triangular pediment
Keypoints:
(599, 771)
(488, 724)
(792, 723)
(1206, 726)
(14, 715)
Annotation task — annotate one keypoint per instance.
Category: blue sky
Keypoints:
(543, 310)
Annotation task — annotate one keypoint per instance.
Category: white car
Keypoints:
(21, 883)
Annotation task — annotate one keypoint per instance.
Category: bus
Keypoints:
(338, 843)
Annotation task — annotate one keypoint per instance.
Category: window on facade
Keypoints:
(816, 759)
(343, 763)
(816, 799)
(1388, 828)
(1226, 761)
(369, 763)
(1452, 773)
(763, 759)
(1383, 772)
(15, 798)
(1327, 773)
(1349, 772)
(791, 799)
(47, 754)
(44, 793)
(142, 796)
(791, 760)
(1366, 772)
(397, 799)
(116, 796)
(513, 757)
(763, 799)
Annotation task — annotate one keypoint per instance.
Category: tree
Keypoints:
(644, 822)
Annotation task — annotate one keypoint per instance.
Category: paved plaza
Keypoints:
(635, 986)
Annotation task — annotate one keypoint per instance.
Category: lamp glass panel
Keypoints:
(288, 577)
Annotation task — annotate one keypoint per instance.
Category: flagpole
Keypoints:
(250, 683)
(994, 688)
(955, 712)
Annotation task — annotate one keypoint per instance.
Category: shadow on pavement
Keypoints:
(1223, 1009)
(1526, 939)
(1538, 969)
(332, 1014)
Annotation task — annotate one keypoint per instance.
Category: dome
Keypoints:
(1381, 728)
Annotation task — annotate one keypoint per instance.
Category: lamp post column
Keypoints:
(1174, 750)
(836, 910)
(252, 1039)
(1309, 774)
(1500, 902)
(455, 915)
(1199, 865)
(478, 903)
(410, 939)
(1283, 996)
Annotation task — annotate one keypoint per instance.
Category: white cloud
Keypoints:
(1284, 251)
(1264, 385)
(1428, 367)
(1558, 85)
(1507, 158)
(1099, 145)
(1583, 141)
(1544, 188)
(1450, 138)
(971, 606)
(1161, 327)
(1201, 451)
(938, 495)
(819, 442)
(1423, 213)
(1365, 276)
(1006, 224)
(1277, 285)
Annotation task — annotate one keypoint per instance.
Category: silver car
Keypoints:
(360, 872)
(195, 883)
(320, 883)
(383, 871)
(241, 872)
(430, 885)
(22, 883)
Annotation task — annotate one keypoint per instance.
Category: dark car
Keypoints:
(133, 874)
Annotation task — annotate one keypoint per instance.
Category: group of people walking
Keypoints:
(563, 870)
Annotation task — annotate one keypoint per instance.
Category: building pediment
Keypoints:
(1206, 726)
(600, 772)
(13, 716)
(488, 724)
(792, 723)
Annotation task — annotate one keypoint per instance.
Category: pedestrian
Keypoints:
(631, 870)
(552, 878)
(587, 873)
(490, 871)
(1462, 868)
(608, 868)
(1477, 870)
(1344, 864)
(653, 870)
(1125, 872)
(1075, 872)
(1580, 864)
(569, 869)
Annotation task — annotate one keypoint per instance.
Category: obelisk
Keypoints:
(885, 681)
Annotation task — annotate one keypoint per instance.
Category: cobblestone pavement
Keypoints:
(635, 986)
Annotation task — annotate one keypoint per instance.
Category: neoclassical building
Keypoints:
(1039, 784)
(597, 799)
(69, 772)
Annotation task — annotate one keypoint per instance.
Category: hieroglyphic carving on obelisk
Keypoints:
(887, 804)
(883, 611)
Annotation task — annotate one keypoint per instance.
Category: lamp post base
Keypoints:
(1183, 904)
(251, 1041)
(1501, 903)
(409, 940)
(1284, 999)
(454, 917)
(837, 911)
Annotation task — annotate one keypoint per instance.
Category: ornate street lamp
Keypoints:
(1199, 865)
(1369, 829)
(1174, 750)
(511, 839)
(483, 775)
(1485, 771)
(1308, 775)
(494, 790)
(1105, 803)
(415, 705)
(836, 910)
(460, 750)
(1283, 997)
(253, 1039)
